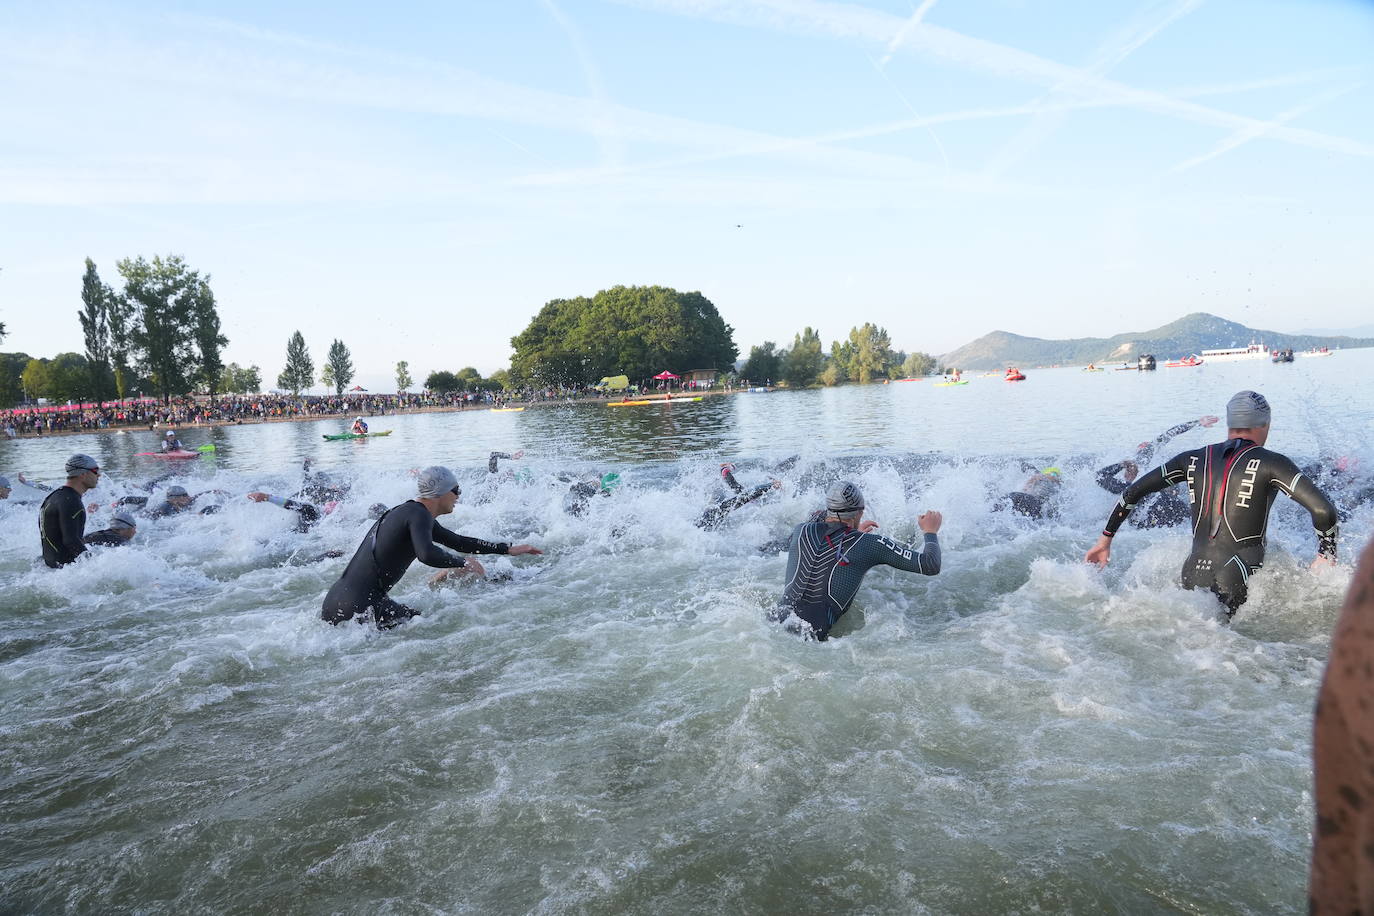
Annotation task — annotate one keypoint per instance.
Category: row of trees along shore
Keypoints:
(160, 334)
(640, 330)
(864, 356)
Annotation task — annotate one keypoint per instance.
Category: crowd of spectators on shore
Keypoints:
(254, 408)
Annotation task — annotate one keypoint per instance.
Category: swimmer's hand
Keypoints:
(929, 522)
(867, 525)
(1208, 421)
(519, 550)
(1322, 562)
(777, 485)
(469, 572)
(1101, 553)
(518, 455)
(258, 497)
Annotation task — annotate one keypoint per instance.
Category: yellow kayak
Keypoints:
(506, 409)
(654, 401)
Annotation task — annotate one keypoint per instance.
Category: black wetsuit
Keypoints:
(493, 461)
(1038, 500)
(105, 537)
(580, 494)
(307, 516)
(715, 515)
(61, 525)
(1167, 508)
(826, 563)
(403, 535)
(1231, 486)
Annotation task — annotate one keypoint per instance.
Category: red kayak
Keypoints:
(168, 454)
(1018, 377)
(1184, 363)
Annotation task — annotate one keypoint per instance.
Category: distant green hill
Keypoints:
(1189, 334)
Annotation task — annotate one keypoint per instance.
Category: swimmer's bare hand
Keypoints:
(867, 525)
(460, 574)
(520, 550)
(1322, 562)
(518, 455)
(1101, 553)
(929, 522)
(1209, 421)
(258, 497)
(777, 484)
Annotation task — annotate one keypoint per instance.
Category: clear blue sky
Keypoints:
(418, 180)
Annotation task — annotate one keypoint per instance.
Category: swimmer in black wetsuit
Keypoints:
(827, 559)
(582, 492)
(715, 515)
(1231, 486)
(122, 530)
(62, 517)
(307, 515)
(495, 457)
(1162, 509)
(404, 534)
(1038, 496)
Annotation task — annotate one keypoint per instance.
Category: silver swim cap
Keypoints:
(1247, 410)
(435, 481)
(844, 497)
(78, 463)
(4, 482)
(176, 490)
(123, 520)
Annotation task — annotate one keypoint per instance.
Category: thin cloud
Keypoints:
(1242, 137)
(907, 28)
(1109, 54)
(850, 22)
(604, 127)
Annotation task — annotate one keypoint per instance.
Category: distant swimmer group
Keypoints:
(1230, 487)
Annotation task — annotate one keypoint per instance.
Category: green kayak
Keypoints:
(385, 432)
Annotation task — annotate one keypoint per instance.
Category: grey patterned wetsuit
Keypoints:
(1231, 486)
(826, 563)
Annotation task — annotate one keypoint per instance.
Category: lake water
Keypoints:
(618, 729)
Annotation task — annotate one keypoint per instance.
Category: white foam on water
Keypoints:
(617, 727)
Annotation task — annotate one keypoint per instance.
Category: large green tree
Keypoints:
(339, 362)
(804, 361)
(172, 314)
(234, 379)
(210, 342)
(299, 373)
(12, 367)
(95, 328)
(631, 330)
(442, 382)
(403, 379)
(918, 364)
(119, 316)
(763, 365)
(868, 353)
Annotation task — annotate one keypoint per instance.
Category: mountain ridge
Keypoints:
(1192, 333)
